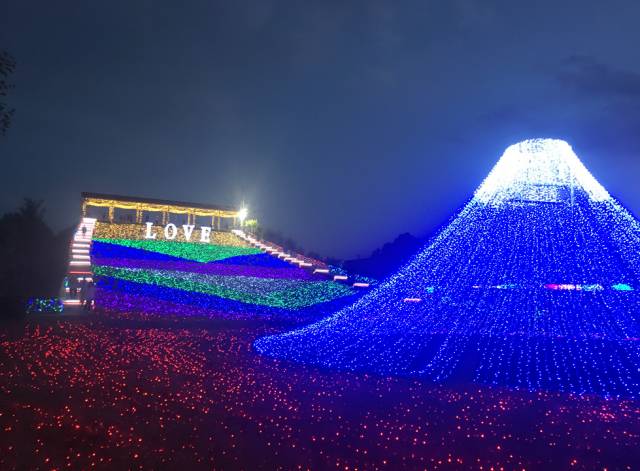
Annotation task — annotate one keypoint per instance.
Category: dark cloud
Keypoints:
(587, 75)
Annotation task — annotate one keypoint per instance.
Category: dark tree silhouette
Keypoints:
(278, 238)
(387, 259)
(7, 66)
(33, 257)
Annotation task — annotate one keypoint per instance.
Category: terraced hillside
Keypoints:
(227, 277)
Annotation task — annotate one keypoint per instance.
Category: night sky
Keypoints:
(341, 124)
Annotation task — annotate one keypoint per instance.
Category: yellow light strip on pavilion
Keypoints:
(154, 207)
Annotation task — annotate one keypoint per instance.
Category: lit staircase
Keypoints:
(317, 267)
(80, 259)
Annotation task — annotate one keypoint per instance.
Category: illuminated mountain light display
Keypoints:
(532, 284)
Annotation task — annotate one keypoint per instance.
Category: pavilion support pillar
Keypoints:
(84, 210)
(165, 218)
(138, 216)
(112, 212)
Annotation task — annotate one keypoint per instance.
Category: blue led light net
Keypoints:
(531, 284)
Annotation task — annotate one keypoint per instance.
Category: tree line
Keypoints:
(33, 257)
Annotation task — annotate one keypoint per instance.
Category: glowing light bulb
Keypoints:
(242, 214)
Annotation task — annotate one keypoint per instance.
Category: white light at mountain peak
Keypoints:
(539, 170)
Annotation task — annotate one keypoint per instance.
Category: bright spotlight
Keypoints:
(242, 214)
